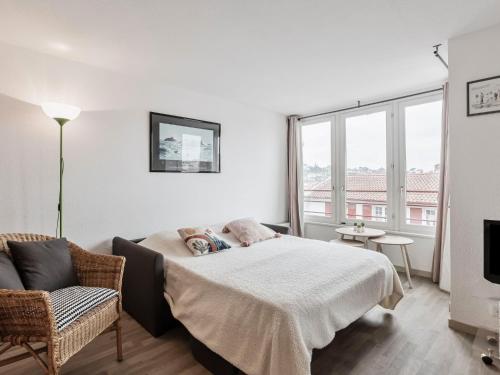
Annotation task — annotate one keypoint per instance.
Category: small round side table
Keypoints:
(363, 236)
(402, 242)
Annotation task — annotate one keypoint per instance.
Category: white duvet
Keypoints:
(264, 308)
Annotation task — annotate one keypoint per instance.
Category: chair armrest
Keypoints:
(26, 315)
(98, 270)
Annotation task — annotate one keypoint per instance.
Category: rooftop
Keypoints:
(422, 189)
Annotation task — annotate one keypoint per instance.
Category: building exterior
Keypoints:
(366, 197)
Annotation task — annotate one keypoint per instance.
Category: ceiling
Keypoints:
(289, 56)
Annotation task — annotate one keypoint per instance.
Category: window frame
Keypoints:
(342, 218)
(317, 218)
(401, 106)
(395, 160)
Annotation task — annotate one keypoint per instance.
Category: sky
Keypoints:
(366, 139)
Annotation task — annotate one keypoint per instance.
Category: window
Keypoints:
(385, 161)
(316, 169)
(422, 141)
(366, 165)
(379, 213)
(430, 216)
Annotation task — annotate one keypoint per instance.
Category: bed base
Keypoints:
(143, 299)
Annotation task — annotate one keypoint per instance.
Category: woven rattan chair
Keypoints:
(26, 316)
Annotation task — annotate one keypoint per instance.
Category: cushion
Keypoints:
(202, 241)
(248, 231)
(9, 278)
(71, 303)
(43, 265)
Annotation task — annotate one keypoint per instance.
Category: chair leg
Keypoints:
(118, 328)
(52, 368)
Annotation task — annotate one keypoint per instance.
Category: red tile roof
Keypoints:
(421, 189)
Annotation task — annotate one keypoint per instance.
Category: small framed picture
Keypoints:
(483, 96)
(180, 144)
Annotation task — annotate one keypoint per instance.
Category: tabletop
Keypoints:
(368, 233)
(392, 240)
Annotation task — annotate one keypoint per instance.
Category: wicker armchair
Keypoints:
(26, 316)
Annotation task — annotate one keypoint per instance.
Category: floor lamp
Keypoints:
(62, 113)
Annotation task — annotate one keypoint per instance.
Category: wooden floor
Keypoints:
(413, 339)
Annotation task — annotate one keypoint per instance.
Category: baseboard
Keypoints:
(420, 273)
(462, 327)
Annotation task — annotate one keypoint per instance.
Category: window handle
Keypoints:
(402, 189)
(343, 188)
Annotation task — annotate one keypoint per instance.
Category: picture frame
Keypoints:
(183, 145)
(483, 96)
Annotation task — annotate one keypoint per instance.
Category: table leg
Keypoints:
(407, 267)
(408, 257)
(379, 248)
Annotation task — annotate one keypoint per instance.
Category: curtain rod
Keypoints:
(369, 104)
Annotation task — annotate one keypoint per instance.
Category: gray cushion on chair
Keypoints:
(71, 303)
(43, 265)
(9, 278)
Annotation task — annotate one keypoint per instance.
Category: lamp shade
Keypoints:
(61, 111)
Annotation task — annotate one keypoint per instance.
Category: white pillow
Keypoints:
(249, 231)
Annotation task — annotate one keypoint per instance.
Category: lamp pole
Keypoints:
(61, 113)
(61, 122)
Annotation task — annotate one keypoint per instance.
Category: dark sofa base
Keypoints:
(143, 299)
(210, 360)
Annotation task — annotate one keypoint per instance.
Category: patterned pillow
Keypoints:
(248, 231)
(202, 241)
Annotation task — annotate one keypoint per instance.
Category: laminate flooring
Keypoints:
(413, 339)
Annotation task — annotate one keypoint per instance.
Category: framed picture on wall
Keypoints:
(483, 96)
(180, 144)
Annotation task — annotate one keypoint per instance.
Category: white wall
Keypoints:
(420, 252)
(108, 189)
(475, 177)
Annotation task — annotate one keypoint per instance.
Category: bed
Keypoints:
(261, 309)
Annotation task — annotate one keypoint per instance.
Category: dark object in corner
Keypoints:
(487, 358)
(492, 251)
